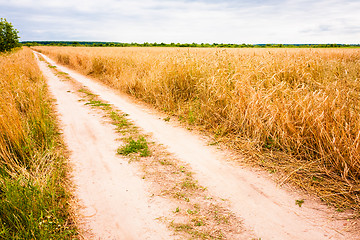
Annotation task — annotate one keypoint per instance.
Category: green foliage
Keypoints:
(97, 103)
(9, 38)
(119, 121)
(134, 147)
(186, 45)
(31, 211)
(299, 202)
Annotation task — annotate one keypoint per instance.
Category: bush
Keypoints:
(9, 38)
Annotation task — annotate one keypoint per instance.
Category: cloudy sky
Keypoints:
(186, 21)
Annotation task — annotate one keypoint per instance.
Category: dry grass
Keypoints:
(292, 110)
(33, 200)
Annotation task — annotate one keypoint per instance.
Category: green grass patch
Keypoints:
(30, 210)
(97, 103)
(62, 73)
(87, 92)
(189, 229)
(299, 202)
(189, 183)
(119, 120)
(138, 146)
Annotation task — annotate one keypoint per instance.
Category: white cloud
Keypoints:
(228, 21)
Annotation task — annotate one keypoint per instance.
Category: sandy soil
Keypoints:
(267, 209)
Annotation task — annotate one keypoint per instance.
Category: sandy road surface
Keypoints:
(115, 198)
(266, 209)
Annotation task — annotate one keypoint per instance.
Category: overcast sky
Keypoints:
(186, 21)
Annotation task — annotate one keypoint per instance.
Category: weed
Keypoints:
(191, 212)
(118, 120)
(138, 146)
(198, 222)
(87, 92)
(299, 202)
(182, 227)
(213, 143)
(165, 162)
(181, 195)
(317, 179)
(269, 143)
(61, 73)
(191, 117)
(187, 228)
(97, 103)
(189, 183)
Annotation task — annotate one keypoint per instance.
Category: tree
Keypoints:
(9, 38)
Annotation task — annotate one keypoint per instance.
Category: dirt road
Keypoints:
(119, 203)
(114, 197)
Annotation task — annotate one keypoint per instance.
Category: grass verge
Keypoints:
(34, 198)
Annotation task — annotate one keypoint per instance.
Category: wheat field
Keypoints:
(294, 110)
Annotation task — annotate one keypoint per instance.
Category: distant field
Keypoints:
(290, 110)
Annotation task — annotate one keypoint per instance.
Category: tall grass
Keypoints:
(33, 199)
(301, 103)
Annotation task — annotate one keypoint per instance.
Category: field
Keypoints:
(294, 111)
(33, 186)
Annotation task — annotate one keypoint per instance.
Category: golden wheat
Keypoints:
(19, 104)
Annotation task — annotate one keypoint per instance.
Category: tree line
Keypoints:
(9, 38)
(194, 45)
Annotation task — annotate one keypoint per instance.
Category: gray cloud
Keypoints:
(228, 21)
